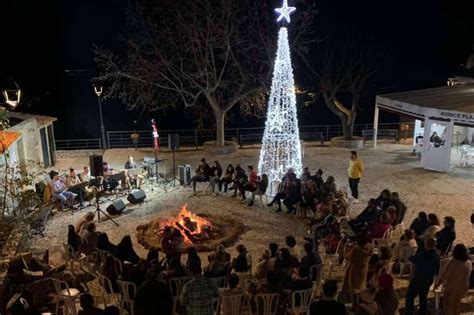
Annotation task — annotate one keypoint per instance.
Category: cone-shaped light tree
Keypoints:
(281, 147)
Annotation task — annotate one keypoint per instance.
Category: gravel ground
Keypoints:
(388, 166)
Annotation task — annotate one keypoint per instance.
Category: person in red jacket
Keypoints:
(379, 229)
(251, 185)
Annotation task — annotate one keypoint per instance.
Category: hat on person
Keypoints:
(385, 281)
(366, 296)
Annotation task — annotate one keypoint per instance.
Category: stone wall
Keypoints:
(30, 139)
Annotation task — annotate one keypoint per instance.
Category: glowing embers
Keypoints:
(203, 231)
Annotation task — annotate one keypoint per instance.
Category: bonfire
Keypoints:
(195, 229)
(203, 231)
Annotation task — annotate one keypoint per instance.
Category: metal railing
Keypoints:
(78, 144)
(196, 137)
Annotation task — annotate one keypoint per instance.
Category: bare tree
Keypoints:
(341, 72)
(215, 53)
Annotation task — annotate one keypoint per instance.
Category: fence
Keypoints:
(78, 144)
(196, 137)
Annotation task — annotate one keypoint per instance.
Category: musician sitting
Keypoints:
(108, 184)
(132, 179)
(74, 185)
(203, 173)
(59, 190)
(89, 186)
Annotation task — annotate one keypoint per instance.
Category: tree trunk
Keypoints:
(220, 127)
(348, 126)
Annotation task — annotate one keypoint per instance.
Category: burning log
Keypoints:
(189, 224)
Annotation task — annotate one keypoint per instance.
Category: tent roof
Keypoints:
(448, 102)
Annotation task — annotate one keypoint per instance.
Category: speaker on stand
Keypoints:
(173, 144)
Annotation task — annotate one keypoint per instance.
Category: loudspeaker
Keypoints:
(136, 196)
(184, 173)
(95, 165)
(116, 208)
(173, 141)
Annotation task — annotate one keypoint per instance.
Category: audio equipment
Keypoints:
(116, 208)
(173, 141)
(95, 165)
(136, 196)
(184, 173)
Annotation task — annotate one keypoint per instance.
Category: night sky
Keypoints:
(426, 41)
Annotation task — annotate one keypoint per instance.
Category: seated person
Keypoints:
(87, 306)
(89, 238)
(203, 173)
(293, 193)
(215, 178)
(301, 281)
(233, 287)
(73, 184)
(219, 263)
(125, 252)
(242, 263)
(134, 179)
(262, 185)
(436, 140)
(240, 178)
(282, 189)
(250, 185)
(328, 304)
(311, 257)
(81, 224)
(366, 218)
(59, 190)
(379, 229)
(402, 249)
(264, 265)
(108, 184)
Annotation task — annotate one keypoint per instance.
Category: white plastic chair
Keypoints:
(385, 241)
(128, 291)
(332, 260)
(300, 302)
(232, 304)
(265, 304)
(72, 257)
(107, 289)
(176, 287)
(318, 270)
(66, 295)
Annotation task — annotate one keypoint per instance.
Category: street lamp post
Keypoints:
(98, 92)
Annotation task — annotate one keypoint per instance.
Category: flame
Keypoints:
(183, 213)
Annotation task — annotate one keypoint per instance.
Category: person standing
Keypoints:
(426, 268)
(355, 171)
(455, 280)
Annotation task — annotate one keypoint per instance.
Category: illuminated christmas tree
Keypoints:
(281, 147)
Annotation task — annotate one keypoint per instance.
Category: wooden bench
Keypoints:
(248, 138)
(381, 133)
(312, 136)
(37, 225)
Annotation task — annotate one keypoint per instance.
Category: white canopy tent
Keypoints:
(440, 109)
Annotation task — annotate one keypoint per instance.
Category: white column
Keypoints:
(376, 124)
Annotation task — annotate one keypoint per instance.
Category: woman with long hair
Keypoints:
(420, 223)
(227, 178)
(193, 258)
(125, 251)
(455, 280)
(432, 228)
(103, 243)
(73, 239)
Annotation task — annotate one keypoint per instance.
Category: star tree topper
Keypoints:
(285, 11)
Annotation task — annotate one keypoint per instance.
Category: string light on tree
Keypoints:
(281, 147)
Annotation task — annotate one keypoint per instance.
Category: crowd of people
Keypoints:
(371, 250)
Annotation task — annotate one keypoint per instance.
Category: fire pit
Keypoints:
(203, 231)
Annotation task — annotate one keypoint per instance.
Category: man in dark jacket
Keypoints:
(203, 173)
(154, 296)
(426, 268)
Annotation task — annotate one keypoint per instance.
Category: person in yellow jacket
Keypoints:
(355, 171)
